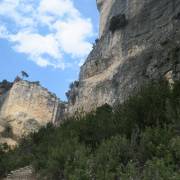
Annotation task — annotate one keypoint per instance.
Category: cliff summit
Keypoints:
(27, 106)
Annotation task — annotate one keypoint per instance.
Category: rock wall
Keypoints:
(27, 106)
(145, 49)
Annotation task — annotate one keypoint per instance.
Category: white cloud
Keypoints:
(3, 31)
(36, 44)
(72, 36)
(13, 9)
(58, 8)
(46, 30)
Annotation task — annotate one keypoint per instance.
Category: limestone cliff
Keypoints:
(139, 42)
(25, 107)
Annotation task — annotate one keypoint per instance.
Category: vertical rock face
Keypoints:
(27, 106)
(146, 48)
(5, 86)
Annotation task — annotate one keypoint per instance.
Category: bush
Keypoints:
(148, 108)
(154, 142)
(7, 133)
(110, 155)
(157, 169)
(139, 140)
(129, 172)
(175, 149)
(117, 22)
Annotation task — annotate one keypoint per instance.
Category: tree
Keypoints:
(24, 74)
(17, 79)
(7, 133)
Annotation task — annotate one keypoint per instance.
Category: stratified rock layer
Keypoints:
(147, 48)
(26, 107)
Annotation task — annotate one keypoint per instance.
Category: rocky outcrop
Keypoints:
(26, 107)
(25, 173)
(143, 48)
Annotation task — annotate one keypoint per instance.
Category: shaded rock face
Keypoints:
(147, 48)
(4, 87)
(26, 107)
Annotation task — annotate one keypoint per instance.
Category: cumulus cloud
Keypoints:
(72, 36)
(3, 32)
(58, 8)
(46, 30)
(36, 44)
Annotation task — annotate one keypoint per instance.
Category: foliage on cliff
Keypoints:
(139, 139)
(117, 22)
(5, 86)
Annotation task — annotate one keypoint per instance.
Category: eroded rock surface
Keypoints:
(26, 107)
(147, 48)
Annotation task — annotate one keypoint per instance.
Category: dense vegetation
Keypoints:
(139, 139)
(117, 22)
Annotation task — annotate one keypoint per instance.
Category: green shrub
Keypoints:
(129, 172)
(148, 108)
(157, 169)
(110, 155)
(175, 149)
(7, 133)
(154, 142)
(139, 140)
(117, 22)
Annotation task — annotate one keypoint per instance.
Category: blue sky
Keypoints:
(47, 39)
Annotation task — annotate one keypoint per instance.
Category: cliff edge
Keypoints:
(25, 107)
(139, 42)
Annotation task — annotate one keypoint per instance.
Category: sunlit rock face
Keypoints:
(104, 8)
(146, 48)
(110, 8)
(26, 107)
